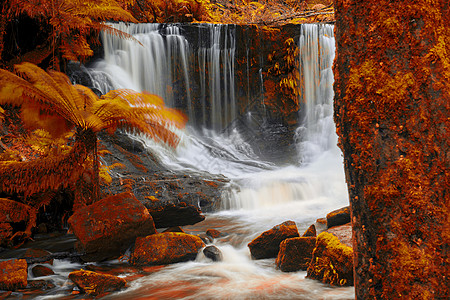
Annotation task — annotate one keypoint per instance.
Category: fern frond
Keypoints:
(48, 173)
(111, 30)
(2, 115)
(132, 110)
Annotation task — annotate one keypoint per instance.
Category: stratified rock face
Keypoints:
(332, 261)
(108, 227)
(295, 254)
(392, 108)
(165, 248)
(96, 284)
(338, 217)
(13, 274)
(267, 244)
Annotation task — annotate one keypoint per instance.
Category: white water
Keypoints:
(262, 194)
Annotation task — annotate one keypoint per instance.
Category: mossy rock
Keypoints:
(332, 261)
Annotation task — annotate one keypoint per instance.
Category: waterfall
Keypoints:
(155, 60)
(159, 59)
(195, 70)
(216, 66)
(320, 177)
(316, 132)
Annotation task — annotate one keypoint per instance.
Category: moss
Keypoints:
(332, 261)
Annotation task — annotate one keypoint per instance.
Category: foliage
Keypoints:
(164, 11)
(72, 24)
(271, 12)
(48, 101)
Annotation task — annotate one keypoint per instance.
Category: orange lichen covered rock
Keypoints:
(338, 217)
(267, 244)
(295, 254)
(37, 253)
(108, 227)
(165, 248)
(96, 284)
(13, 274)
(332, 261)
(392, 108)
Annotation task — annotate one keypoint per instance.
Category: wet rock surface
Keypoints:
(96, 284)
(214, 233)
(152, 183)
(213, 253)
(108, 227)
(267, 244)
(40, 271)
(338, 217)
(165, 248)
(171, 215)
(295, 254)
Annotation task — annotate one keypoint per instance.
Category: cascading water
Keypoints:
(265, 194)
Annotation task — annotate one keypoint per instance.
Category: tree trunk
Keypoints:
(392, 108)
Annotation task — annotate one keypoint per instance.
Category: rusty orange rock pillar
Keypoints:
(392, 110)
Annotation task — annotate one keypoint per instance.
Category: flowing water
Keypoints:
(261, 194)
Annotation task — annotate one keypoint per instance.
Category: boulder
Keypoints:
(267, 244)
(108, 227)
(338, 217)
(37, 253)
(165, 248)
(295, 254)
(343, 233)
(13, 274)
(213, 253)
(174, 229)
(311, 231)
(40, 270)
(180, 214)
(332, 261)
(96, 284)
(213, 233)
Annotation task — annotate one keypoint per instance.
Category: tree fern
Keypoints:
(48, 98)
(72, 23)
